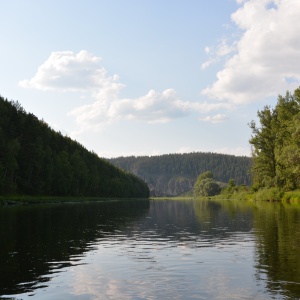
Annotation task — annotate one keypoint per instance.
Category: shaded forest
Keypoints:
(36, 160)
(176, 174)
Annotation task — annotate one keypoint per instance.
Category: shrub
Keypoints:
(271, 194)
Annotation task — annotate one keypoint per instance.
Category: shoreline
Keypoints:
(27, 200)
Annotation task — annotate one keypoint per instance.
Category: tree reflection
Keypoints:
(232, 215)
(278, 246)
(37, 241)
(277, 233)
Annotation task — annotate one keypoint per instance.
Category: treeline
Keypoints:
(175, 174)
(36, 160)
(276, 145)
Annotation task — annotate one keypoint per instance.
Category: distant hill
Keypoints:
(175, 174)
(36, 160)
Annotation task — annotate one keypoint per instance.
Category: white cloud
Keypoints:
(154, 107)
(214, 119)
(69, 72)
(217, 53)
(267, 58)
(83, 72)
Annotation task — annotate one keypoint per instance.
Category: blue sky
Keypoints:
(141, 77)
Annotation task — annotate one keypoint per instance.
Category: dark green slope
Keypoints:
(36, 160)
(175, 174)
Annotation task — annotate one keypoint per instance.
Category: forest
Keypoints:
(276, 145)
(176, 174)
(36, 160)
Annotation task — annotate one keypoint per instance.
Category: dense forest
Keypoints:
(276, 145)
(176, 174)
(36, 160)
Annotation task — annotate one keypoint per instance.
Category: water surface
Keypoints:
(150, 250)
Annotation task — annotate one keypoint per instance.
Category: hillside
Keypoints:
(175, 174)
(36, 160)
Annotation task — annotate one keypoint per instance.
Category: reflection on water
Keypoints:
(150, 250)
(38, 242)
(278, 248)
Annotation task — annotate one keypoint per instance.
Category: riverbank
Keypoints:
(23, 200)
(266, 195)
(271, 195)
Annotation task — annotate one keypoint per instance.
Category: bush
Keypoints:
(291, 197)
(271, 194)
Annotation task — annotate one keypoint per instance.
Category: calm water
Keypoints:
(150, 250)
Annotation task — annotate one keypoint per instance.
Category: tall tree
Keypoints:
(276, 142)
(263, 152)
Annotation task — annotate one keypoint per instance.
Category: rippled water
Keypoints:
(150, 250)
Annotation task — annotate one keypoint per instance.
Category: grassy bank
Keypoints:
(20, 200)
(271, 195)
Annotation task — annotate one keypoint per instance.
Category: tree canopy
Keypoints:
(36, 160)
(206, 185)
(176, 174)
(276, 144)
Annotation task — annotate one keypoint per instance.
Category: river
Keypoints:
(157, 249)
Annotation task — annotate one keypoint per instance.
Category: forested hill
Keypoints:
(36, 160)
(175, 174)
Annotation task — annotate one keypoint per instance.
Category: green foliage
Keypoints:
(240, 195)
(206, 185)
(36, 160)
(270, 194)
(276, 145)
(291, 197)
(231, 183)
(176, 174)
(232, 191)
(205, 175)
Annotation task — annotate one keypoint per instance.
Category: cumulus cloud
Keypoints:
(83, 72)
(70, 72)
(265, 60)
(154, 107)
